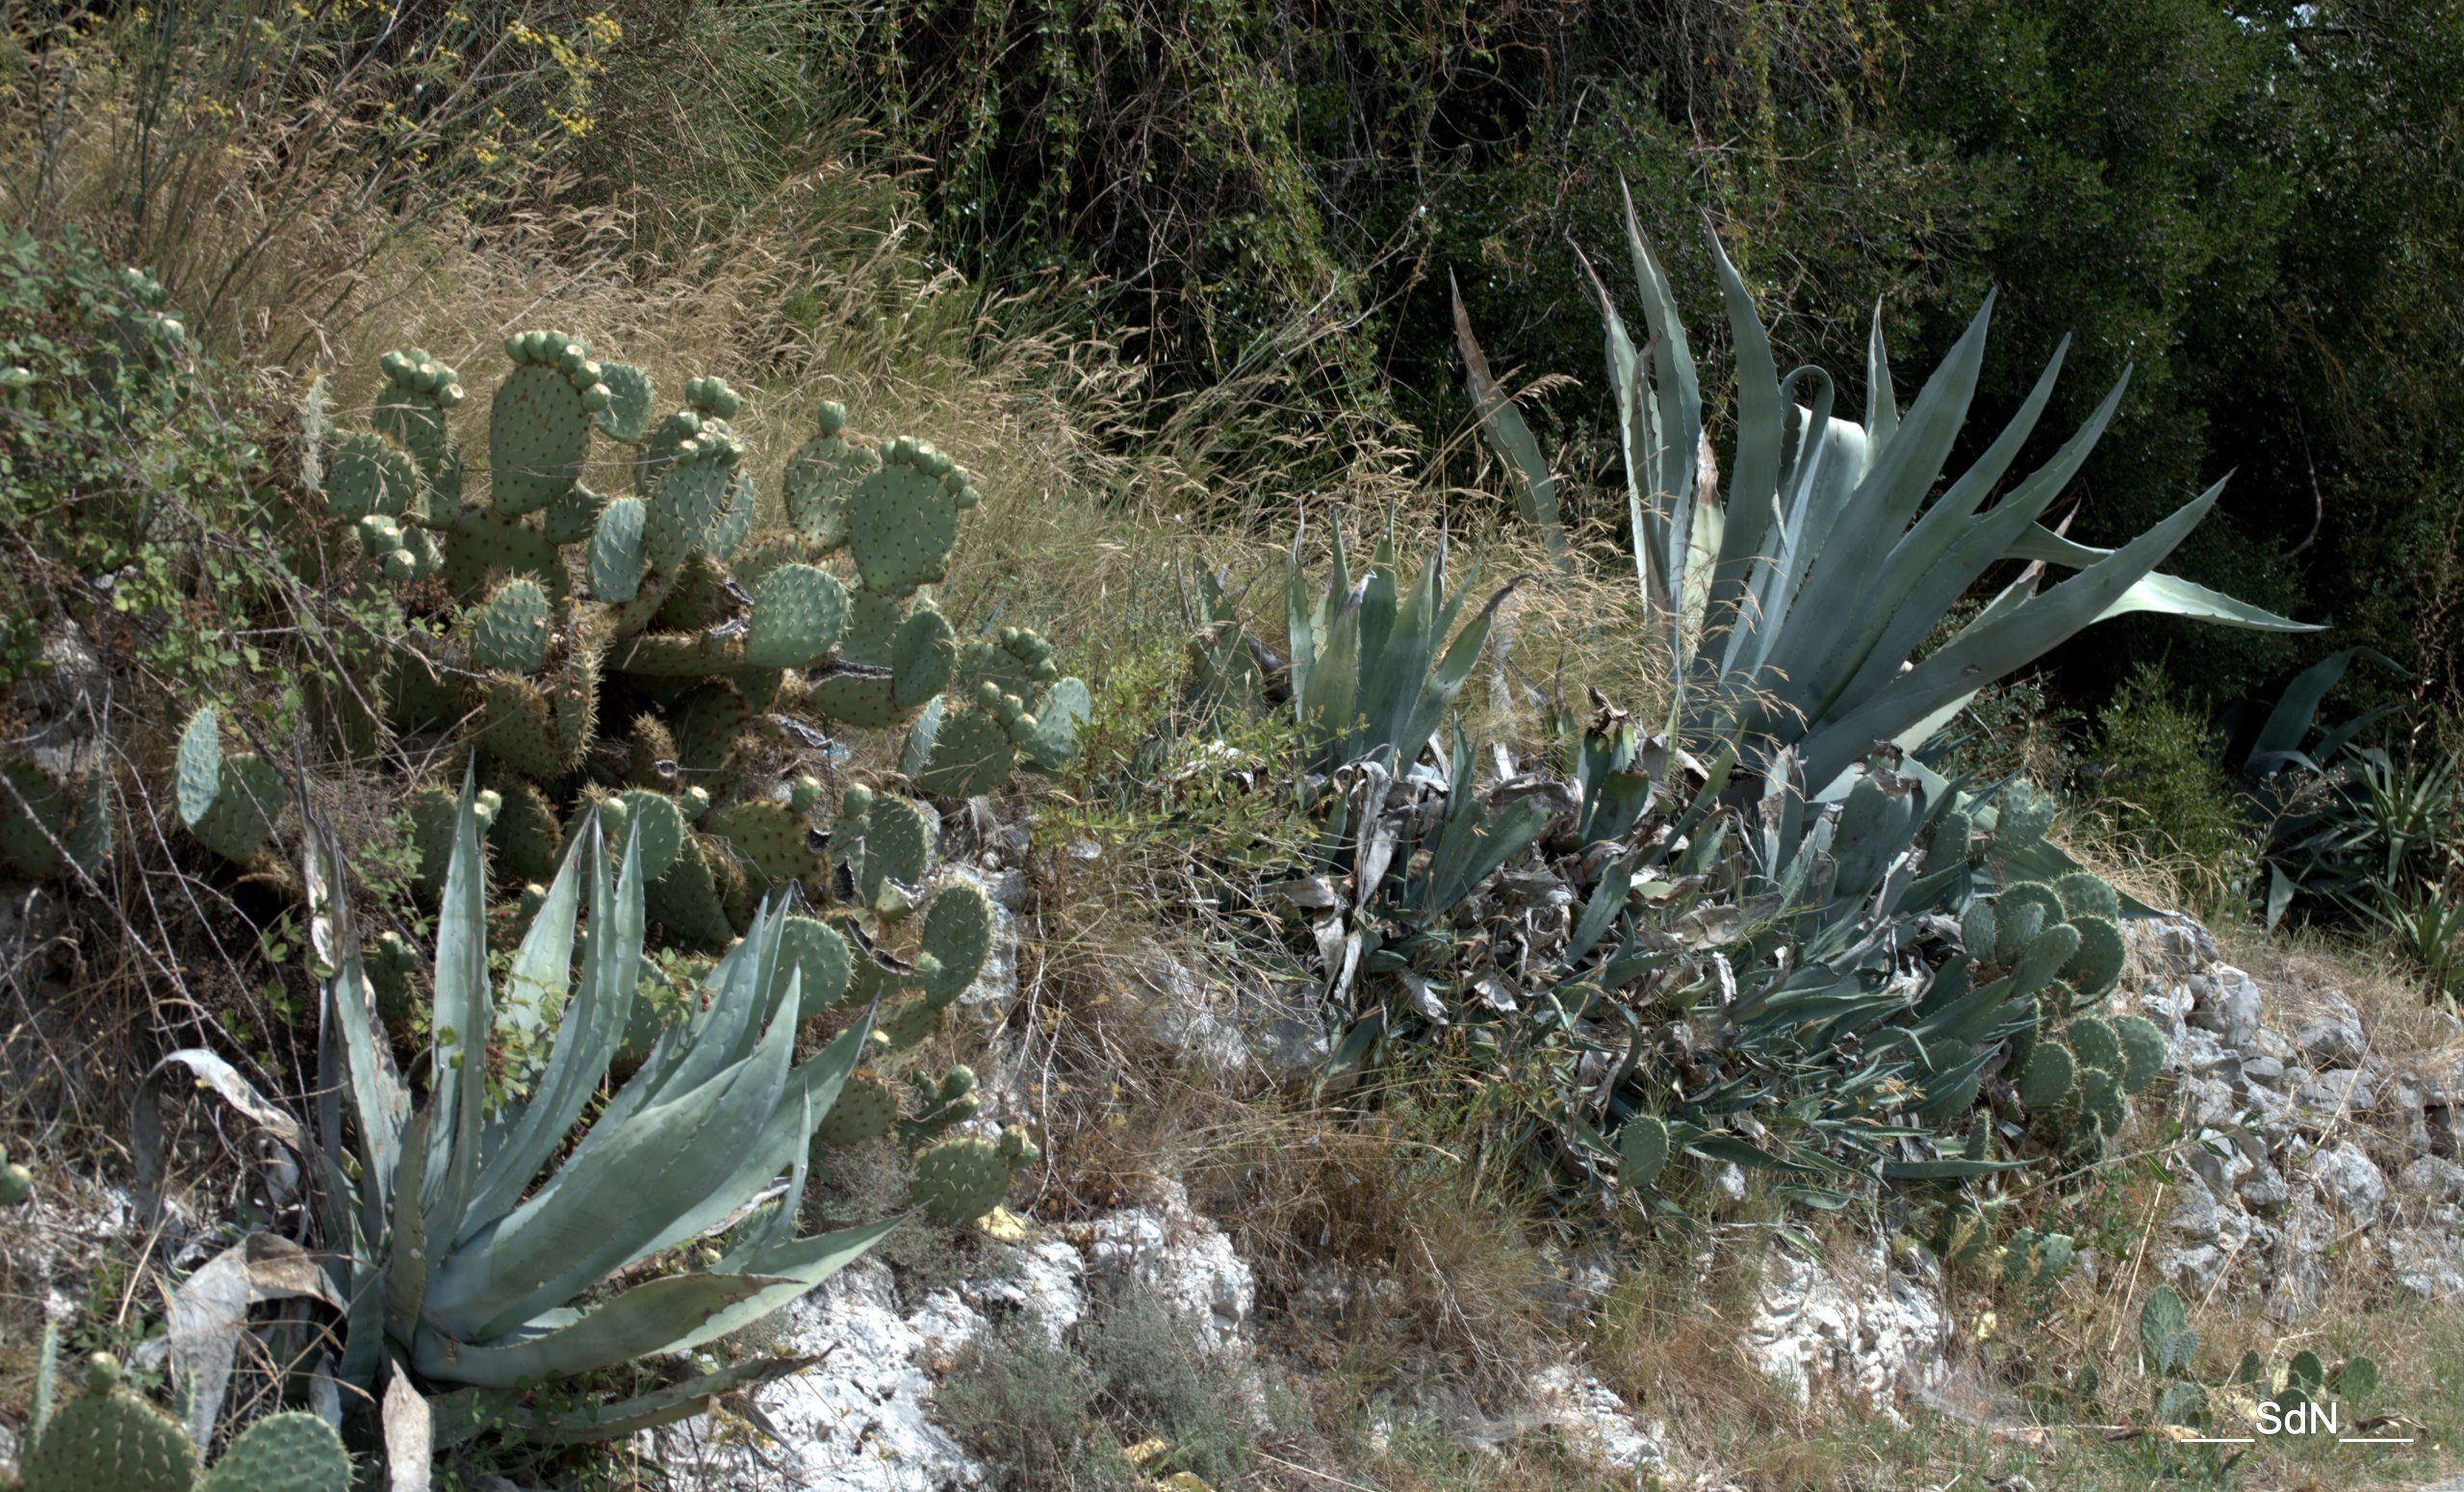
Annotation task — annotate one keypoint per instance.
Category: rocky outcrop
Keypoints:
(2307, 1148)
(1870, 1330)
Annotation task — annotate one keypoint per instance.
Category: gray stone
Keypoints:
(2299, 1261)
(2262, 1189)
(2227, 1002)
(2343, 1091)
(2217, 1159)
(1867, 1330)
(2434, 1178)
(2169, 945)
(2201, 1054)
(2264, 1069)
(2406, 1102)
(1180, 1255)
(2192, 1270)
(2193, 1213)
(2334, 1039)
(2272, 1043)
(2426, 1264)
(2207, 1101)
(2352, 1181)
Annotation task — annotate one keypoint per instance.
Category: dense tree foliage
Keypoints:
(2254, 208)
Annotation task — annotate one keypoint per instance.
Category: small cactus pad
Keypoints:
(1642, 1151)
(818, 951)
(866, 1108)
(1949, 843)
(2085, 893)
(509, 629)
(908, 1024)
(2142, 1051)
(2095, 969)
(2043, 958)
(2016, 925)
(734, 523)
(1980, 931)
(967, 753)
(250, 795)
(518, 727)
(957, 933)
(106, 1438)
(282, 1453)
(539, 425)
(798, 612)
(2100, 1098)
(1052, 744)
(410, 409)
(2094, 1042)
(2022, 815)
(2050, 1075)
(615, 559)
(198, 768)
(772, 836)
(526, 833)
(16, 1182)
(691, 495)
(366, 474)
(25, 843)
(573, 516)
(896, 846)
(660, 822)
(902, 519)
(690, 900)
(959, 1180)
(626, 416)
(822, 475)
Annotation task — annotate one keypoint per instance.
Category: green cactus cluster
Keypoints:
(106, 1438)
(958, 1180)
(69, 825)
(668, 612)
(228, 801)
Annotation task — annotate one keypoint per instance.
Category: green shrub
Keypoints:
(1025, 1402)
(2154, 779)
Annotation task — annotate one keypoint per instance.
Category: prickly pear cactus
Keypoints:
(866, 1109)
(227, 802)
(71, 824)
(105, 1439)
(282, 1453)
(16, 1182)
(961, 1179)
(1642, 1151)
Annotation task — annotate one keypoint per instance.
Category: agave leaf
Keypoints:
(586, 1038)
(1751, 518)
(1918, 581)
(785, 1137)
(791, 1270)
(650, 1318)
(598, 1423)
(1882, 406)
(542, 971)
(2166, 595)
(1840, 578)
(1535, 489)
(600, 1207)
(462, 1026)
(1996, 647)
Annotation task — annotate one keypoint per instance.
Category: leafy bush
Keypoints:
(2154, 777)
(1027, 1403)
